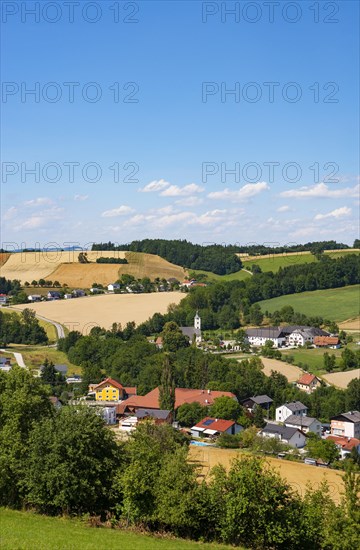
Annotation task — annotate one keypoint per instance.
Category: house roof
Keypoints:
(307, 379)
(351, 416)
(326, 340)
(296, 420)
(314, 331)
(130, 389)
(161, 414)
(182, 395)
(215, 424)
(265, 332)
(259, 399)
(295, 406)
(110, 381)
(346, 443)
(159, 340)
(283, 431)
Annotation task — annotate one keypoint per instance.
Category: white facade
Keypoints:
(197, 321)
(113, 286)
(314, 427)
(283, 412)
(297, 440)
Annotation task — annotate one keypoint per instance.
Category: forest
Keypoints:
(21, 329)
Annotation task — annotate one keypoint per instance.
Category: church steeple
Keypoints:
(197, 321)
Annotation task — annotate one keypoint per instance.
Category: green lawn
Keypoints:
(313, 358)
(27, 531)
(238, 276)
(275, 261)
(336, 304)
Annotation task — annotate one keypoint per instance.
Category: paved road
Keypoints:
(59, 328)
(18, 357)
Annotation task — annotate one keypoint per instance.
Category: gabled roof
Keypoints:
(130, 389)
(326, 340)
(296, 420)
(111, 382)
(259, 399)
(314, 331)
(161, 414)
(283, 431)
(351, 416)
(295, 406)
(215, 424)
(190, 332)
(182, 395)
(346, 443)
(307, 379)
(265, 332)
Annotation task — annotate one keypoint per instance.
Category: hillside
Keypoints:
(28, 531)
(273, 262)
(65, 267)
(335, 304)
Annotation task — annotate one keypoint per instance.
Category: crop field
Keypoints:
(335, 304)
(298, 475)
(342, 379)
(84, 313)
(291, 372)
(28, 531)
(65, 267)
(351, 324)
(273, 262)
(3, 258)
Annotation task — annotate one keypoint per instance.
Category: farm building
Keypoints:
(332, 342)
(308, 383)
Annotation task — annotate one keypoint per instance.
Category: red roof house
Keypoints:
(308, 382)
(345, 444)
(214, 426)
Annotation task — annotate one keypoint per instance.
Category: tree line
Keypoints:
(21, 329)
(68, 462)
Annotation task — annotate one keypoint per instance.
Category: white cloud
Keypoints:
(337, 213)
(10, 213)
(81, 197)
(176, 191)
(153, 186)
(244, 193)
(321, 190)
(189, 201)
(40, 201)
(284, 208)
(120, 211)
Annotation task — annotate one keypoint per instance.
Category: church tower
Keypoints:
(197, 321)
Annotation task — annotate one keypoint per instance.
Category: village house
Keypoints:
(68, 296)
(290, 436)
(298, 335)
(5, 364)
(182, 395)
(293, 408)
(214, 426)
(259, 336)
(308, 383)
(78, 293)
(332, 342)
(3, 299)
(129, 423)
(345, 444)
(346, 424)
(34, 297)
(304, 423)
(52, 295)
(263, 401)
(113, 286)
(109, 390)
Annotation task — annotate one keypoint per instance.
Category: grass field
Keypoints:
(34, 356)
(27, 531)
(238, 276)
(65, 267)
(49, 328)
(336, 304)
(313, 357)
(84, 313)
(273, 262)
(298, 475)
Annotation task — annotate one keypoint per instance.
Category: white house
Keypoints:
(345, 444)
(290, 436)
(294, 408)
(304, 423)
(68, 296)
(34, 297)
(258, 336)
(298, 335)
(308, 383)
(3, 299)
(346, 424)
(215, 426)
(114, 286)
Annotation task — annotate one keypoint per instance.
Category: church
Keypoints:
(195, 331)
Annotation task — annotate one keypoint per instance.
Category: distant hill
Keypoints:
(65, 267)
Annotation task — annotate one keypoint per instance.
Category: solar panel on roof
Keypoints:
(208, 422)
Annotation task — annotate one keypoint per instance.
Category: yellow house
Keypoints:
(109, 390)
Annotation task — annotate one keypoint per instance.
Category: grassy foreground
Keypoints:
(27, 531)
(335, 304)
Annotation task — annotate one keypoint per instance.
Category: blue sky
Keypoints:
(149, 100)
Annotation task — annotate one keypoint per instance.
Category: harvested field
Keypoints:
(65, 267)
(291, 372)
(351, 324)
(84, 313)
(298, 475)
(3, 258)
(341, 379)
